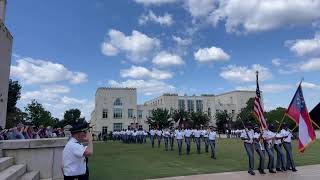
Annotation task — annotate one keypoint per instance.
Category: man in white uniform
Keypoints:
(74, 157)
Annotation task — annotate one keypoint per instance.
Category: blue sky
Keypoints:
(63, 52)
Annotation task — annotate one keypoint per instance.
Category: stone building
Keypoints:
(116, 108)
(5, 59)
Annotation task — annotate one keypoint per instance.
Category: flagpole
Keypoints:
(315, 124)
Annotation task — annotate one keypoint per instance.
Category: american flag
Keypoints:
(258, 109)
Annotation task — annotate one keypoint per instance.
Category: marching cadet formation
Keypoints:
(169, 136)
(269, 141)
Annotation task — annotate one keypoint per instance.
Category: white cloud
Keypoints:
(137, 46)
(306, 47)
(199, 8)
(211, 54)
(108, 49)
(142, 72)
(182, 42)
(245, 74)
(31, 71)
(54, 99)
(311, 65)
(268, 88)
(167, 59)
(147, 87)
(165, 20)
(276, 62)
(309, 85)
(155, 2)
(262, 15)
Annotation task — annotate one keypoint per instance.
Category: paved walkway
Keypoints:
(311, 172)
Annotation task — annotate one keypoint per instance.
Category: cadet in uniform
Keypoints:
(187, 136)
(166, 136)
(257, 137)
(212, 141)
(171, 139)
(268, 137)
(280, 158)
(247, 136)
(159, 136)
(197, 137)
(74, 156)
(205, 139)
(152, 134)
(179, 136)
(287, 135)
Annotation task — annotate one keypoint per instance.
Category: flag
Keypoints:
(298, 112)
(258, 109)
(315, 114)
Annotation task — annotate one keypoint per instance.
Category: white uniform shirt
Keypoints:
(179, 134)
(278, 141)
(166, 133)
(74, 162)
(267, 135)
(187, 133)
(256, 135)
(197, 133)
(249, 133)
(205, 133)
(212, 135)
(152, 132)
(159, 132)
(286, 133)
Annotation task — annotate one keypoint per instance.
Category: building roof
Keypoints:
(236, 91)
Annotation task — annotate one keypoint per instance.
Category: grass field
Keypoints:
(115, 160)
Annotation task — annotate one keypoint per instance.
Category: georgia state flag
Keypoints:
(298, 112)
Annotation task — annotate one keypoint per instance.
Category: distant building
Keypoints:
(5, 59)
(116, 108)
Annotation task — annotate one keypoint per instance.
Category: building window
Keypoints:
(190, 105)
(139, 114)
(209, 112)
(117, 102)
(104, 129)
(105, 113)
(140, 126)
(199, 106)
(117, 126)
(130, 113)
(117, 113)
(181, 105)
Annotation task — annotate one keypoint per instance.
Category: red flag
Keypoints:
(258, 109)
(298, 112)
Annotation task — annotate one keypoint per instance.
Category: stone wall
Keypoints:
(44, 155)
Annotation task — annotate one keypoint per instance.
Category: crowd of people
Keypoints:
(268, 141)
(21, 131)
(130, 135)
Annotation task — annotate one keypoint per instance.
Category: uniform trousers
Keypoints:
(213, 147)
(188, 143)
(171, 140)
(280, 158)
(198, 144)
(260, 153)
(166, 142)
(249, 149)
(179, 142)
(290, 162)
(269, 150)
(152, 140)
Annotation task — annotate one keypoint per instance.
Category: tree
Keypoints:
(199, 119)
(181, 116)
(222, 119)
(275, 116)
(71, 116)
(37, 115)
(245, 115)
(14, 114)
(160, 118)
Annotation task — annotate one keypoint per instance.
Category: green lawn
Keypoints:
(115, 160)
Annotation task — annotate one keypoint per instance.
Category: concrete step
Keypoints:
(13, 172)
(32, 175)
(5, 162)
(1, 153)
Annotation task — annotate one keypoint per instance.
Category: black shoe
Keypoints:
(289, 169)
(251, 173)
(278, 169)
(272, 171)
(262, 172)
(284, 169)
(294, 170)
